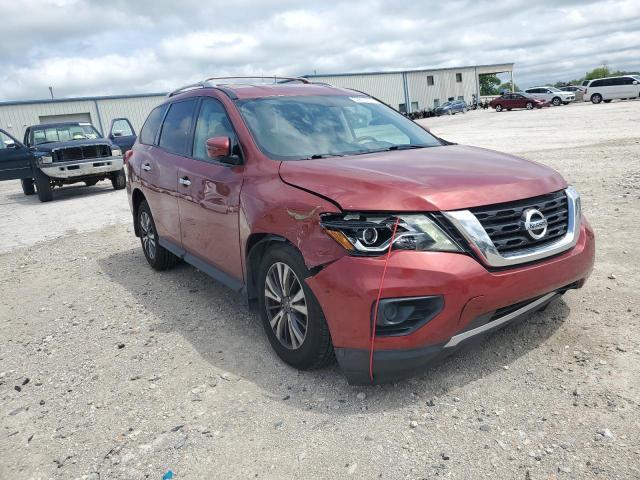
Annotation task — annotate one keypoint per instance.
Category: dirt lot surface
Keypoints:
(109, 370)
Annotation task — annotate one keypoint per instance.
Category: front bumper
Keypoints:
(347, 290)
(82, 168)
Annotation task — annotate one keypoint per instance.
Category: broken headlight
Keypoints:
(370, 234)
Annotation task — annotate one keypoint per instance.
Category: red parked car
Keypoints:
(509, 101)
(353, 231)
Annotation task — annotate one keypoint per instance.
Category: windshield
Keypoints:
(306, 127)
(64, 133)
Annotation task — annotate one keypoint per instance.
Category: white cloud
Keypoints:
(86, 47)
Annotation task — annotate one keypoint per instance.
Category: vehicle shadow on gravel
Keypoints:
(64, 193)
(218, 324)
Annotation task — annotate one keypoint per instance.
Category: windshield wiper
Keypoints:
(406, 147)
(323, 155)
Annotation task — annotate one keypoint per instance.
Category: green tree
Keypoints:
(489, 85)
(507, 86)
(599, 72)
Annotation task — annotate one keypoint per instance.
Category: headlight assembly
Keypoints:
(370, 234)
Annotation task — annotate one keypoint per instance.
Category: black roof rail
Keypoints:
(213, 82)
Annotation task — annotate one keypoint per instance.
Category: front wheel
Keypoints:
(291, 315)
(119, 179)
(43, 187)
(28, 187)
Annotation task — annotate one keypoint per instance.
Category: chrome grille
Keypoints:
(505, 227)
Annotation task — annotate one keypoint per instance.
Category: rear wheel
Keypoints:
(529, 106)
(291, 315)
(43, 187)
(158, 257)
(119, 179)
(556, 101)
(498, 108)
(28, 187)
(596, 98)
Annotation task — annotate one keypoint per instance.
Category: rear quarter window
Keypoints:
(152, 125)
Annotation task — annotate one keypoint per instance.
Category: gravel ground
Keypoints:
(109, 370)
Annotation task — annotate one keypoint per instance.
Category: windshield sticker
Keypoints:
(363, 99)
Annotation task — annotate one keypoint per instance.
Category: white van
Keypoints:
(611, 88)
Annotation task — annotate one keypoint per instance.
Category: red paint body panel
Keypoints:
(209, 213)
(427, 179)
(347, 290)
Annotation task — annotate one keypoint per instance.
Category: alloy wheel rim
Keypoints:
(147, 235)
(286, 305)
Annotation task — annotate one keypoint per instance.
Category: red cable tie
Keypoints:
(375, 311)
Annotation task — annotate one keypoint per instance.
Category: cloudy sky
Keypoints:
(101, 47)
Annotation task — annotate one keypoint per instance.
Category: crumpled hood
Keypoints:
(49, 147)
(427, 179)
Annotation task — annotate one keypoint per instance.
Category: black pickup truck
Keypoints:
(59, 154)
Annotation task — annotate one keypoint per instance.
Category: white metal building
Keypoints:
(407, 91)
(16, 116)
(412, 90)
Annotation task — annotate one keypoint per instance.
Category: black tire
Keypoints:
(607, 101)
(556, 101)
(119, 179)
(28, 187)
(596, 98)
(316, 349)
(90, 183)
(43, 187)
(529, 106)
(158, 257)
(498, 108)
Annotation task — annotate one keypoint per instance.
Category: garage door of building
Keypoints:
(68, 117)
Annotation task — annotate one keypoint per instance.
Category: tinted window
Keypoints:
(151, 126)
(627, 81)
(176, 129)
(458, 77)
(429, 79)
(212, 122)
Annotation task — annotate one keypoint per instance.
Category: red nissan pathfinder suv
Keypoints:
(354, 232)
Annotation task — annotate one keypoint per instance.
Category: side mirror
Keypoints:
(10, 144)
(636, 82)
(219, 148)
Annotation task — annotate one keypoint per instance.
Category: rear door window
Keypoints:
(152, 125)
(176, 133)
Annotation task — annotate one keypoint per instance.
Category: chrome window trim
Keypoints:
(472, 230)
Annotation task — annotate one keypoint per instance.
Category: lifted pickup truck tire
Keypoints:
(43, 186)
(28, 187)
(119, 179)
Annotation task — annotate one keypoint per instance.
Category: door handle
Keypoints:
(185, 181)
(146, 167)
